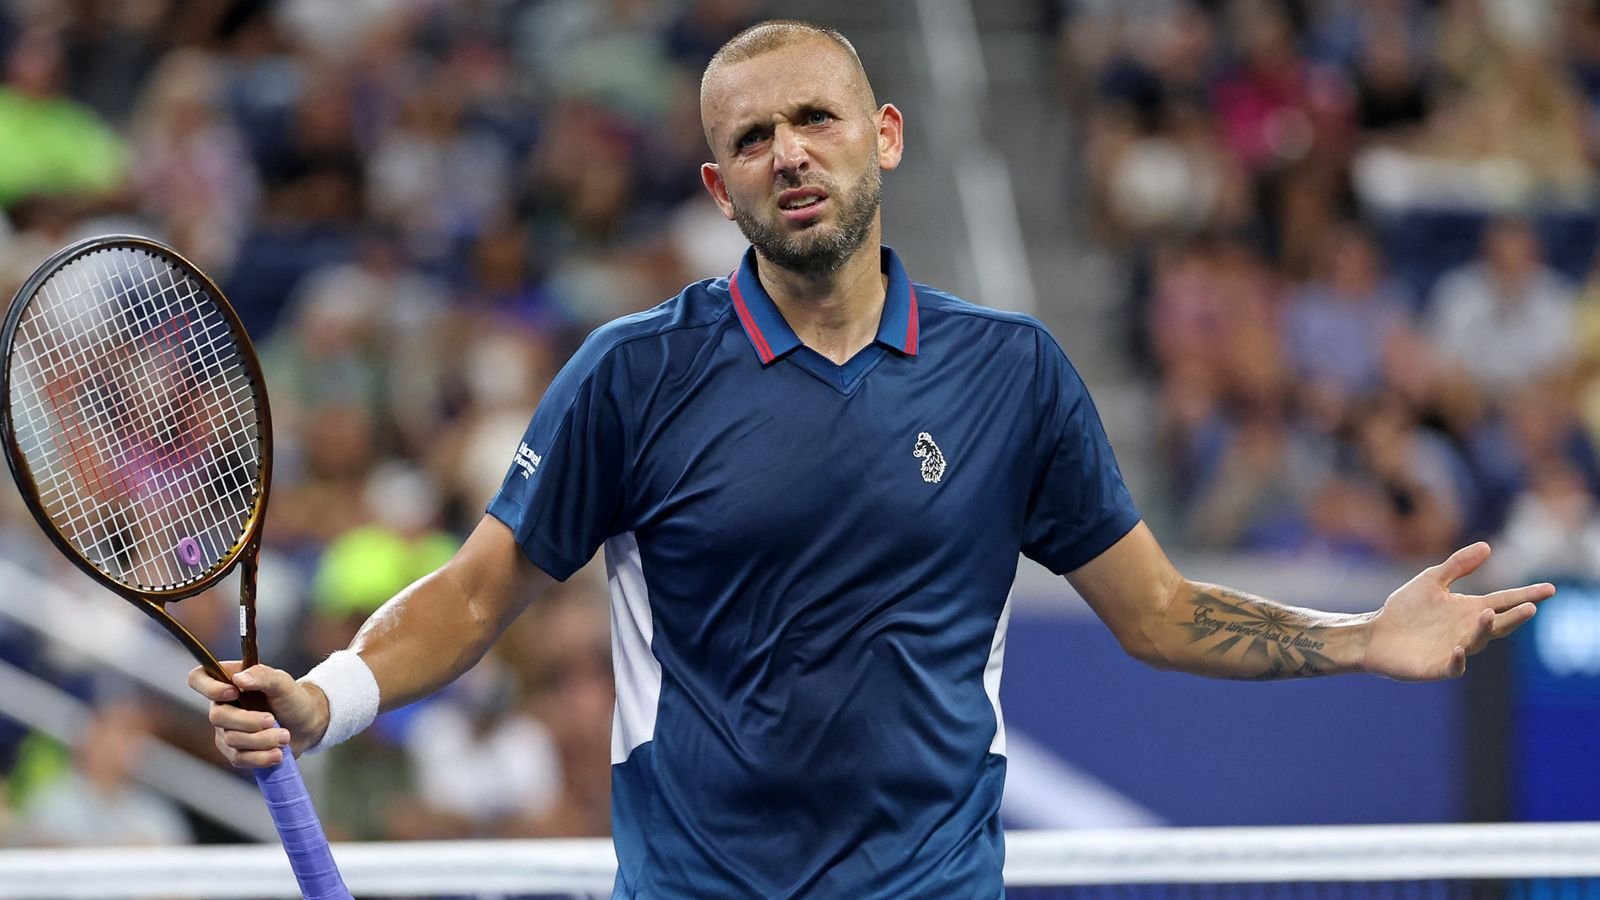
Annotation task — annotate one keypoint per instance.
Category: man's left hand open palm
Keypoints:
(1426, 631)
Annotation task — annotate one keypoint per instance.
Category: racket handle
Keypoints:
(300, 831)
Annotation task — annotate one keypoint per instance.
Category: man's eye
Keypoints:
(748, 139)
(818, 117)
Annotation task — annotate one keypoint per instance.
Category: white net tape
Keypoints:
(583, 868)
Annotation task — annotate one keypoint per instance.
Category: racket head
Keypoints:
(134, 417)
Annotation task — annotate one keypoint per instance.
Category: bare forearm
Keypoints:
(425, 637)
(1211, 630)
(439, 627)
(1423, 630)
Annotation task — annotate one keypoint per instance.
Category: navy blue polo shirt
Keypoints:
(810, 567)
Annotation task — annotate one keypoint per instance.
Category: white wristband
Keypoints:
(352, 693)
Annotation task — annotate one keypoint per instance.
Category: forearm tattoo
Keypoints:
(1256, 639)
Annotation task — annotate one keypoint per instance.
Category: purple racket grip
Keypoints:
(301, 831)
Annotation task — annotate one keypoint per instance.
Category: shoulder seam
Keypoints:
(961, 307)
(603, 355)
(996, 315)
(623, 342)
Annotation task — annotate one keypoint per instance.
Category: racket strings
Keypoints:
(72, 421)
(78, 374)
(159, 353)
(64, 374)
(137, 417)
(162, 352)
(239, 394)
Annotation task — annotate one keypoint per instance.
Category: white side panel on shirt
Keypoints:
(991, 676)
(638, 672)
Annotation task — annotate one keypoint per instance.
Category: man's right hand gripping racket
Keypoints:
(135, 422)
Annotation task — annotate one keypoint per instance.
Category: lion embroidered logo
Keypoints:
(932, 460)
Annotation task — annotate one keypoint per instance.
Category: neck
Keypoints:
(835, 314)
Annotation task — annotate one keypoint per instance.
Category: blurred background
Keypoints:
(1328, 266)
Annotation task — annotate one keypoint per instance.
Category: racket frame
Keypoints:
(288, 801)
(246, 548)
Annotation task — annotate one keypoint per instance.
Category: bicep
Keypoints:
(1129, 586)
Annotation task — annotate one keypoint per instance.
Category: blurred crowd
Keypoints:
(1360, 238)
(418, 207)
(1361, 245)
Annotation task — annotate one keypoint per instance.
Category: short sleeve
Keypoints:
(563, 493)
(1078, 506)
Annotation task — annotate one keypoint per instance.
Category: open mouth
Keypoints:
(801, 203)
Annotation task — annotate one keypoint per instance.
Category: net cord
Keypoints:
(1034, 858)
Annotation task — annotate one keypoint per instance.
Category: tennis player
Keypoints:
(813, 479)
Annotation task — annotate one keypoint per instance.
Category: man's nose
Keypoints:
(789, 153)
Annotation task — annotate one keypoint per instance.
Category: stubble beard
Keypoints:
(819, 251)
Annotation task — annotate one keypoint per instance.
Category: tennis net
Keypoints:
(1406, 862)
(1516, 862)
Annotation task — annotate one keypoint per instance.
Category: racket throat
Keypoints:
(247, 602)
(157, 610)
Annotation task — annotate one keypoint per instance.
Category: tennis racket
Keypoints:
(135, 422)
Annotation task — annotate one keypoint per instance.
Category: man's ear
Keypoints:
(891, 136)
(711, 177)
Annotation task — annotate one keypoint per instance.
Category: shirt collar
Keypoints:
(771, 335)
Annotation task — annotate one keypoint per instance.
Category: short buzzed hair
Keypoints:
(775, 34)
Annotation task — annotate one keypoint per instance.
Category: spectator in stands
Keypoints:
(109, 49)
(1506, 319)
(397, 541)
(572, 694)
(1537, 424)
(1392, 98)
(97, 803)
(1580, 32)
(481, 762)
(49, 143)
(363, 333)
(1214, 337)
(1097, 35)
(1350, 518)
(1216, 307)
(1553, 529)
(501, 377)
(1587, 383)
(1512, 103)
(1337, 327)
(335, 448)
(1425, 480)
(1255, 490)
(393, 532)
(191, 168)
(1343, 33)
(702, 26)
(430, 174)
(1288, 122)
(1157, 168)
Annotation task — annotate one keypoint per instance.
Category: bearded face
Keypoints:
(800, 146)
(817, 247)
